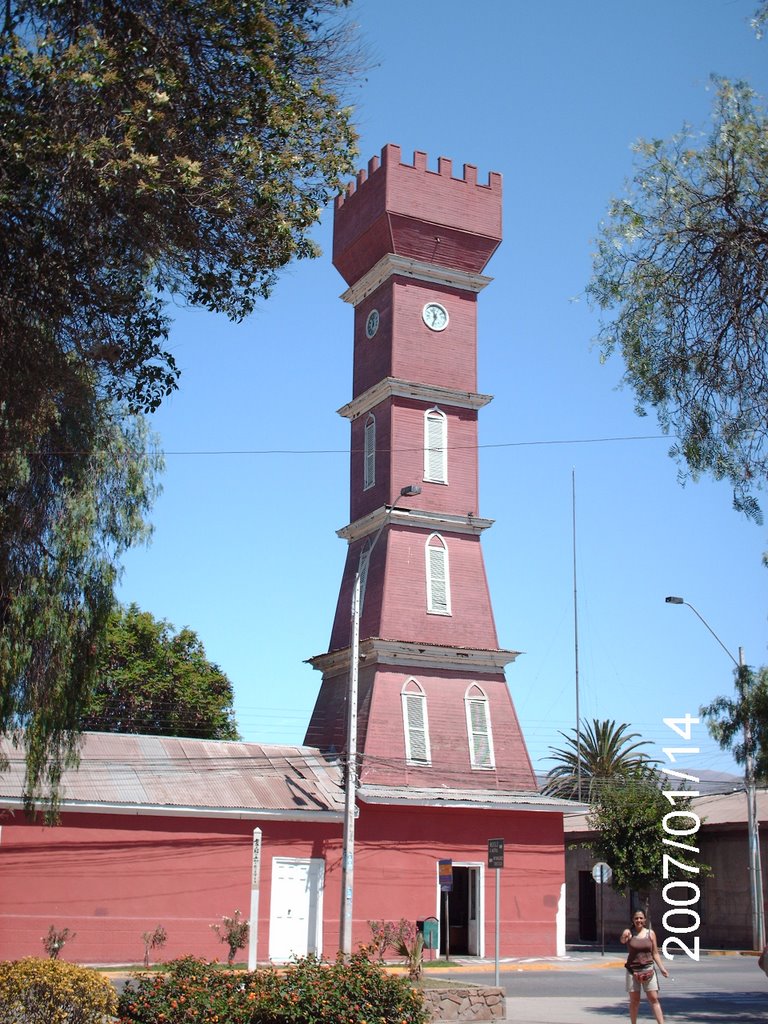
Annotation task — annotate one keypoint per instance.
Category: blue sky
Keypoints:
(245, 550)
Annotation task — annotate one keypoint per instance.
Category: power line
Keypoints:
(215, 452)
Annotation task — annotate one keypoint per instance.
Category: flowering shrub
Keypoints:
(384, 935)
(308, 991)
(37, 991)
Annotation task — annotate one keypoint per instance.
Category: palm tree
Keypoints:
(601, 750)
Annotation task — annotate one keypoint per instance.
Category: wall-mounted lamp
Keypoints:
(410, 491)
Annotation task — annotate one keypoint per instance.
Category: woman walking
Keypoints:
(642, 954)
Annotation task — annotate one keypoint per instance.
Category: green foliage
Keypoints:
(158, 148)
(233, 932)
(76, 482)
(682, 261)
(149, 151)
(628, 816)
(760, 19)
(54, 941)
(153, 940)
(604, 751)
(308, 991)
(410, 946)
(151, 680)
(35, 991)
(740, 723)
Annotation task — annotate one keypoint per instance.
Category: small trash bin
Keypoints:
(429, 929)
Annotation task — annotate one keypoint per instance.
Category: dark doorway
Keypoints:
(587, 907)
(461, 925)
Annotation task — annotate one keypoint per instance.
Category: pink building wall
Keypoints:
(111, 877)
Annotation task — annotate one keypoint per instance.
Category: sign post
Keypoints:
(253, 931)
(496, 861)
(602, 873)
(445, 874)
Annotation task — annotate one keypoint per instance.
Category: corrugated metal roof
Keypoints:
(172, 773)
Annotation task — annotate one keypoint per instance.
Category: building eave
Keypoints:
(375, 650)
(420, 519)
(189, 811)
(418, 270)
(395, 387)
(510, 800)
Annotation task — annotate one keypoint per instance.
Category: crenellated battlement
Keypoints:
(403, 209)
(391, 157)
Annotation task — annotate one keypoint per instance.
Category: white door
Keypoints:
(296, 916)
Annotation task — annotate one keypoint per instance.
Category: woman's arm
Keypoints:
(626, 935)
(656, 956)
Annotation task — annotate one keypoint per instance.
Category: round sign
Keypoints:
(601, 872)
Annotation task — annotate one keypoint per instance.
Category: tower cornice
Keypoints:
(394, 387)
(391, 265)
(422, 519)
(378, 651)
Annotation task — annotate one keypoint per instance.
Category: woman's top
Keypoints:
(640, 951)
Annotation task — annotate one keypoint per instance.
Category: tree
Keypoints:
(154, 681)
(760, 19)
(628, 818)
(740, 723)
(152, 149)
(603, 751)
(149, 151)
(72, 499)
(682, 261)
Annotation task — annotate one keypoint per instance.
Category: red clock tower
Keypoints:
(434, 708)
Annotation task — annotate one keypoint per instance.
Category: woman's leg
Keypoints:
(634, 1005)
(653, 999)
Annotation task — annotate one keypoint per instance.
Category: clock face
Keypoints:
(372, 323)
(435, 316)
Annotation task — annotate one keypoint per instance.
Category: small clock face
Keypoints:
(372, 323)
(435, 316)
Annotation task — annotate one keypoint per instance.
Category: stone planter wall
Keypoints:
(472, 1003)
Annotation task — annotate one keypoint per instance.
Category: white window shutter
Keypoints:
(479, 726)
(416, 729)
(435, 446)
(369, 454)
(438, 586)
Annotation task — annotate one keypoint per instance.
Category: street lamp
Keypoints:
(350, 783)
(755, 866)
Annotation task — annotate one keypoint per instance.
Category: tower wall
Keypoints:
(409, 240)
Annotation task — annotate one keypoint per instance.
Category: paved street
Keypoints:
(587, 987)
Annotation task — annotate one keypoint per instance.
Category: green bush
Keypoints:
(307, 991)
(37, 991)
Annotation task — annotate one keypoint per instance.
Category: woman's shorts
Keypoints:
(633, 985)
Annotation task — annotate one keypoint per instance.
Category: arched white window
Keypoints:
(362, 568)
(438, 580)
(415, 723)
(479, 728)
(369, 453)
(435, 446)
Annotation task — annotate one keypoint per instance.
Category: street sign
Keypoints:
(445, 874)
(495, 853)
(601, 872)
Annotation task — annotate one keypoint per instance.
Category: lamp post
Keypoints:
(350, 782)
(753, 827)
